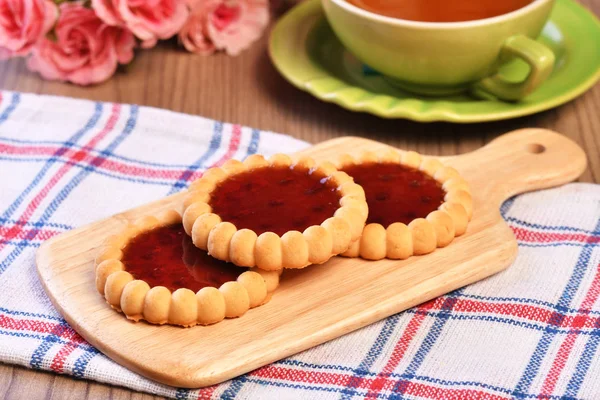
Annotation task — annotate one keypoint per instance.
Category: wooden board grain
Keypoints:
(318, 303)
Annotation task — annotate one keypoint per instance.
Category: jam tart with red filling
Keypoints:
(416, 204)
(274, 213)
(152, 271)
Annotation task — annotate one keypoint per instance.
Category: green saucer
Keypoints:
(306, 52)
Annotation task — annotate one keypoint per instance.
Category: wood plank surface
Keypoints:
(247, 90)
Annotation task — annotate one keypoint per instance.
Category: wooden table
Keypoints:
(249, 91)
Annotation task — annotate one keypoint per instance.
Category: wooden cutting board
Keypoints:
(318, 303)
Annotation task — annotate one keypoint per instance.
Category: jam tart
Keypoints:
(152, 271)
(416, 204)
(274, 213)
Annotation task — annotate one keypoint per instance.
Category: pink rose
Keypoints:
(230, 25)
(86, 49)
(23, 23)
(194, 35)
(149, 20)
(235, 24)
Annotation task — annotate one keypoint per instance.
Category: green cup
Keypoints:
(443, 58)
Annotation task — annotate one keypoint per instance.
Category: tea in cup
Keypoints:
(441, 47)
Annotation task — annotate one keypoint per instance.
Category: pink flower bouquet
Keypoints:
(84, 41)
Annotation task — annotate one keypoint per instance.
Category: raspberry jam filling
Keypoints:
(275, 199)
(167, 257)
(396, 193)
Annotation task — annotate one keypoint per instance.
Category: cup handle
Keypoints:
(540, 59)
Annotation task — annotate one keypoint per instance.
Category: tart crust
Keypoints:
(158, 305)
(422, 235)
(268, 251)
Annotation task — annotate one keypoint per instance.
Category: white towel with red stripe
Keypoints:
(532, 331)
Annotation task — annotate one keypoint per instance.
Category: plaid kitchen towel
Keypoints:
(532, 331)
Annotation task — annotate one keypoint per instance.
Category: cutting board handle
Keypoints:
(522, 161)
